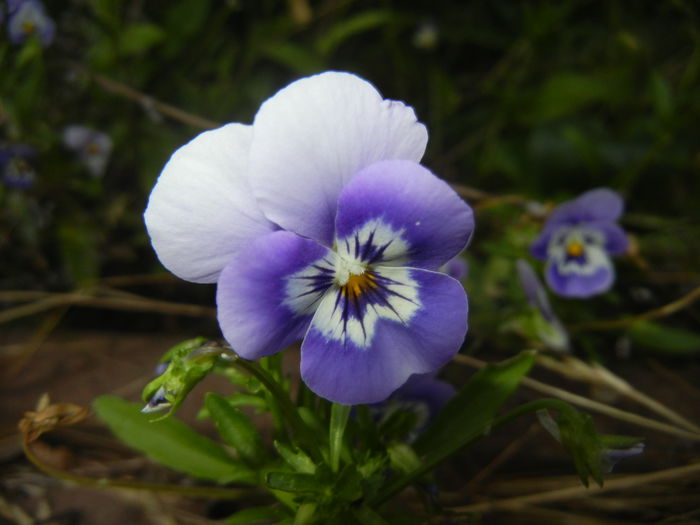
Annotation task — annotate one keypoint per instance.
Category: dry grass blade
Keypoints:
(590, 404)
(578, 491)
(657, 313)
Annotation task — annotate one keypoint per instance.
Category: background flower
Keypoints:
(29, 18)
(577, 241)
(15, 165)
(92, 147)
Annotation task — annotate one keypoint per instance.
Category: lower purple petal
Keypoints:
(267, 294)
(339, 369)
(578, 284)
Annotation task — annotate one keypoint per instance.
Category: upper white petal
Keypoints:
(202, 210)
(313, 136)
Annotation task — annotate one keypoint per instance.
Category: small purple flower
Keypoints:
(92, 147)
(317, 222)
(577, 241)
(16, 167)
(28, 18)
(547, 326)
(423, 395)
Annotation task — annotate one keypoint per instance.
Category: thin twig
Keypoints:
(590, 404)
(193, 491)
(148, 102)
(110, 303)
(573, 368)
(620, 483)
(625, 322)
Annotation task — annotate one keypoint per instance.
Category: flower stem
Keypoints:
(339, 420)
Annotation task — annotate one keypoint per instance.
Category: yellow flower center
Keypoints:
(93, 149)
(358, 284)
(28, 27)
(574, 249)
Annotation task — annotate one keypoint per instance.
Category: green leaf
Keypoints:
(565, 93)
(295, 57)
(664, 339)
(351, 26)
(171, 443)
(235, 429)
(468, 414)
(403, 458)
(295, 459)
(294, 482)
(136, 39)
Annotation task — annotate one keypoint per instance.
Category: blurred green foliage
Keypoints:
(539, 99)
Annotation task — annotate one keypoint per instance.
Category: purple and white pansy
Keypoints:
(577, 241)
(317, 222)
(92, 147)
(28, 18)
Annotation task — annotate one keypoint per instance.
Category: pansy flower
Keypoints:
(577, 241)
(28, 18)
(16, 165)
(92, 147)
(317, 222)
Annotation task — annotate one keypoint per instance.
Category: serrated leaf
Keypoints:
(235, 429)
(171, 443)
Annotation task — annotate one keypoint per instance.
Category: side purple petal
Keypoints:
(430, 217)
(339, 370)
(616, 240)
(256, 312)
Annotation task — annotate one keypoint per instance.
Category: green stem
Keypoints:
(299, 430)
(339, 419)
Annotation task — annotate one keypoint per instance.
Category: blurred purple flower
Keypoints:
(577, 241)
(15, 165)
(423, 395)
(548, 326)
(28, 18)
(92, 147)
(335, 238)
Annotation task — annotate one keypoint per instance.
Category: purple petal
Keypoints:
(616, 241)
(601, 204)
(397, 213)
(202, 211)
(267, 295)
(313, 136)
(579, 285)
(417, 329)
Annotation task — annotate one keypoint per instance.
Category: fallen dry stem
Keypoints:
(577, 491)
(590, 404)
(135, 303)
(573, 368)
(626, 322)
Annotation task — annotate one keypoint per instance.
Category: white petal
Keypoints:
(202, 210)
(313, 136)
